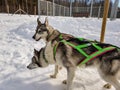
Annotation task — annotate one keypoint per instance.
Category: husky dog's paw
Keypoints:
(107, 86)
(64, 82)
(52, 76)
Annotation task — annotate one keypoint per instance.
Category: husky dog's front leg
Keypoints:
(70, 76)
(56, 72)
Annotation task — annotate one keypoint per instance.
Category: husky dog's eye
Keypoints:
(33, 59)
(39, 32)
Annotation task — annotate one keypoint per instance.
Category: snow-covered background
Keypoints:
(17, 45)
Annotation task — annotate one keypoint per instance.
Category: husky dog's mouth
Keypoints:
(38, 39)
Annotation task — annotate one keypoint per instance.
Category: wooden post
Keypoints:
(106, 9)
(99, 11)
(47, 8)
(114, 10)
(34, 9)
(20, 8)
(31, 7)
(91, 8)
(14, 5)
(70, 8)
(53, 7)
(23, 5)
(7, 6)
(27, 6)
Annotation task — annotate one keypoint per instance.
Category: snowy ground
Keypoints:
(16, 50)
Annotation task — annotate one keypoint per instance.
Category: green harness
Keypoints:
(79, 48)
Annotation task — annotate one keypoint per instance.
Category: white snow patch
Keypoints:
(17, 45)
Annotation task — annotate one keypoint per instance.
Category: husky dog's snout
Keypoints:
(32, 66)
(28, 67)
(33, 37)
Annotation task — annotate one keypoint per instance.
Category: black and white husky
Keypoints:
(61, 53)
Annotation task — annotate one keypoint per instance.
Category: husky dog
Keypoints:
(61, 53)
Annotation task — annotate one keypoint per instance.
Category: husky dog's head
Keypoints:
(41, 30)
(37, 60)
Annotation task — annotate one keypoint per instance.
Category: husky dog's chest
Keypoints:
(48, 52)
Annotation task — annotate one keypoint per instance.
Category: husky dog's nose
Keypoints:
(33, 37)
(28, 66)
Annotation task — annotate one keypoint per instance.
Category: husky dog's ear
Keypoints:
(46, 21)
(38, 21)
(35, 52)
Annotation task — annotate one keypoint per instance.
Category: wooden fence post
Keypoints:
(7, 6)
(34, 9)
(106, 9)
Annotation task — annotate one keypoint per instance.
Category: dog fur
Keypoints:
(108, 64)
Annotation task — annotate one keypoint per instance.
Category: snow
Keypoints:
(17, 45)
